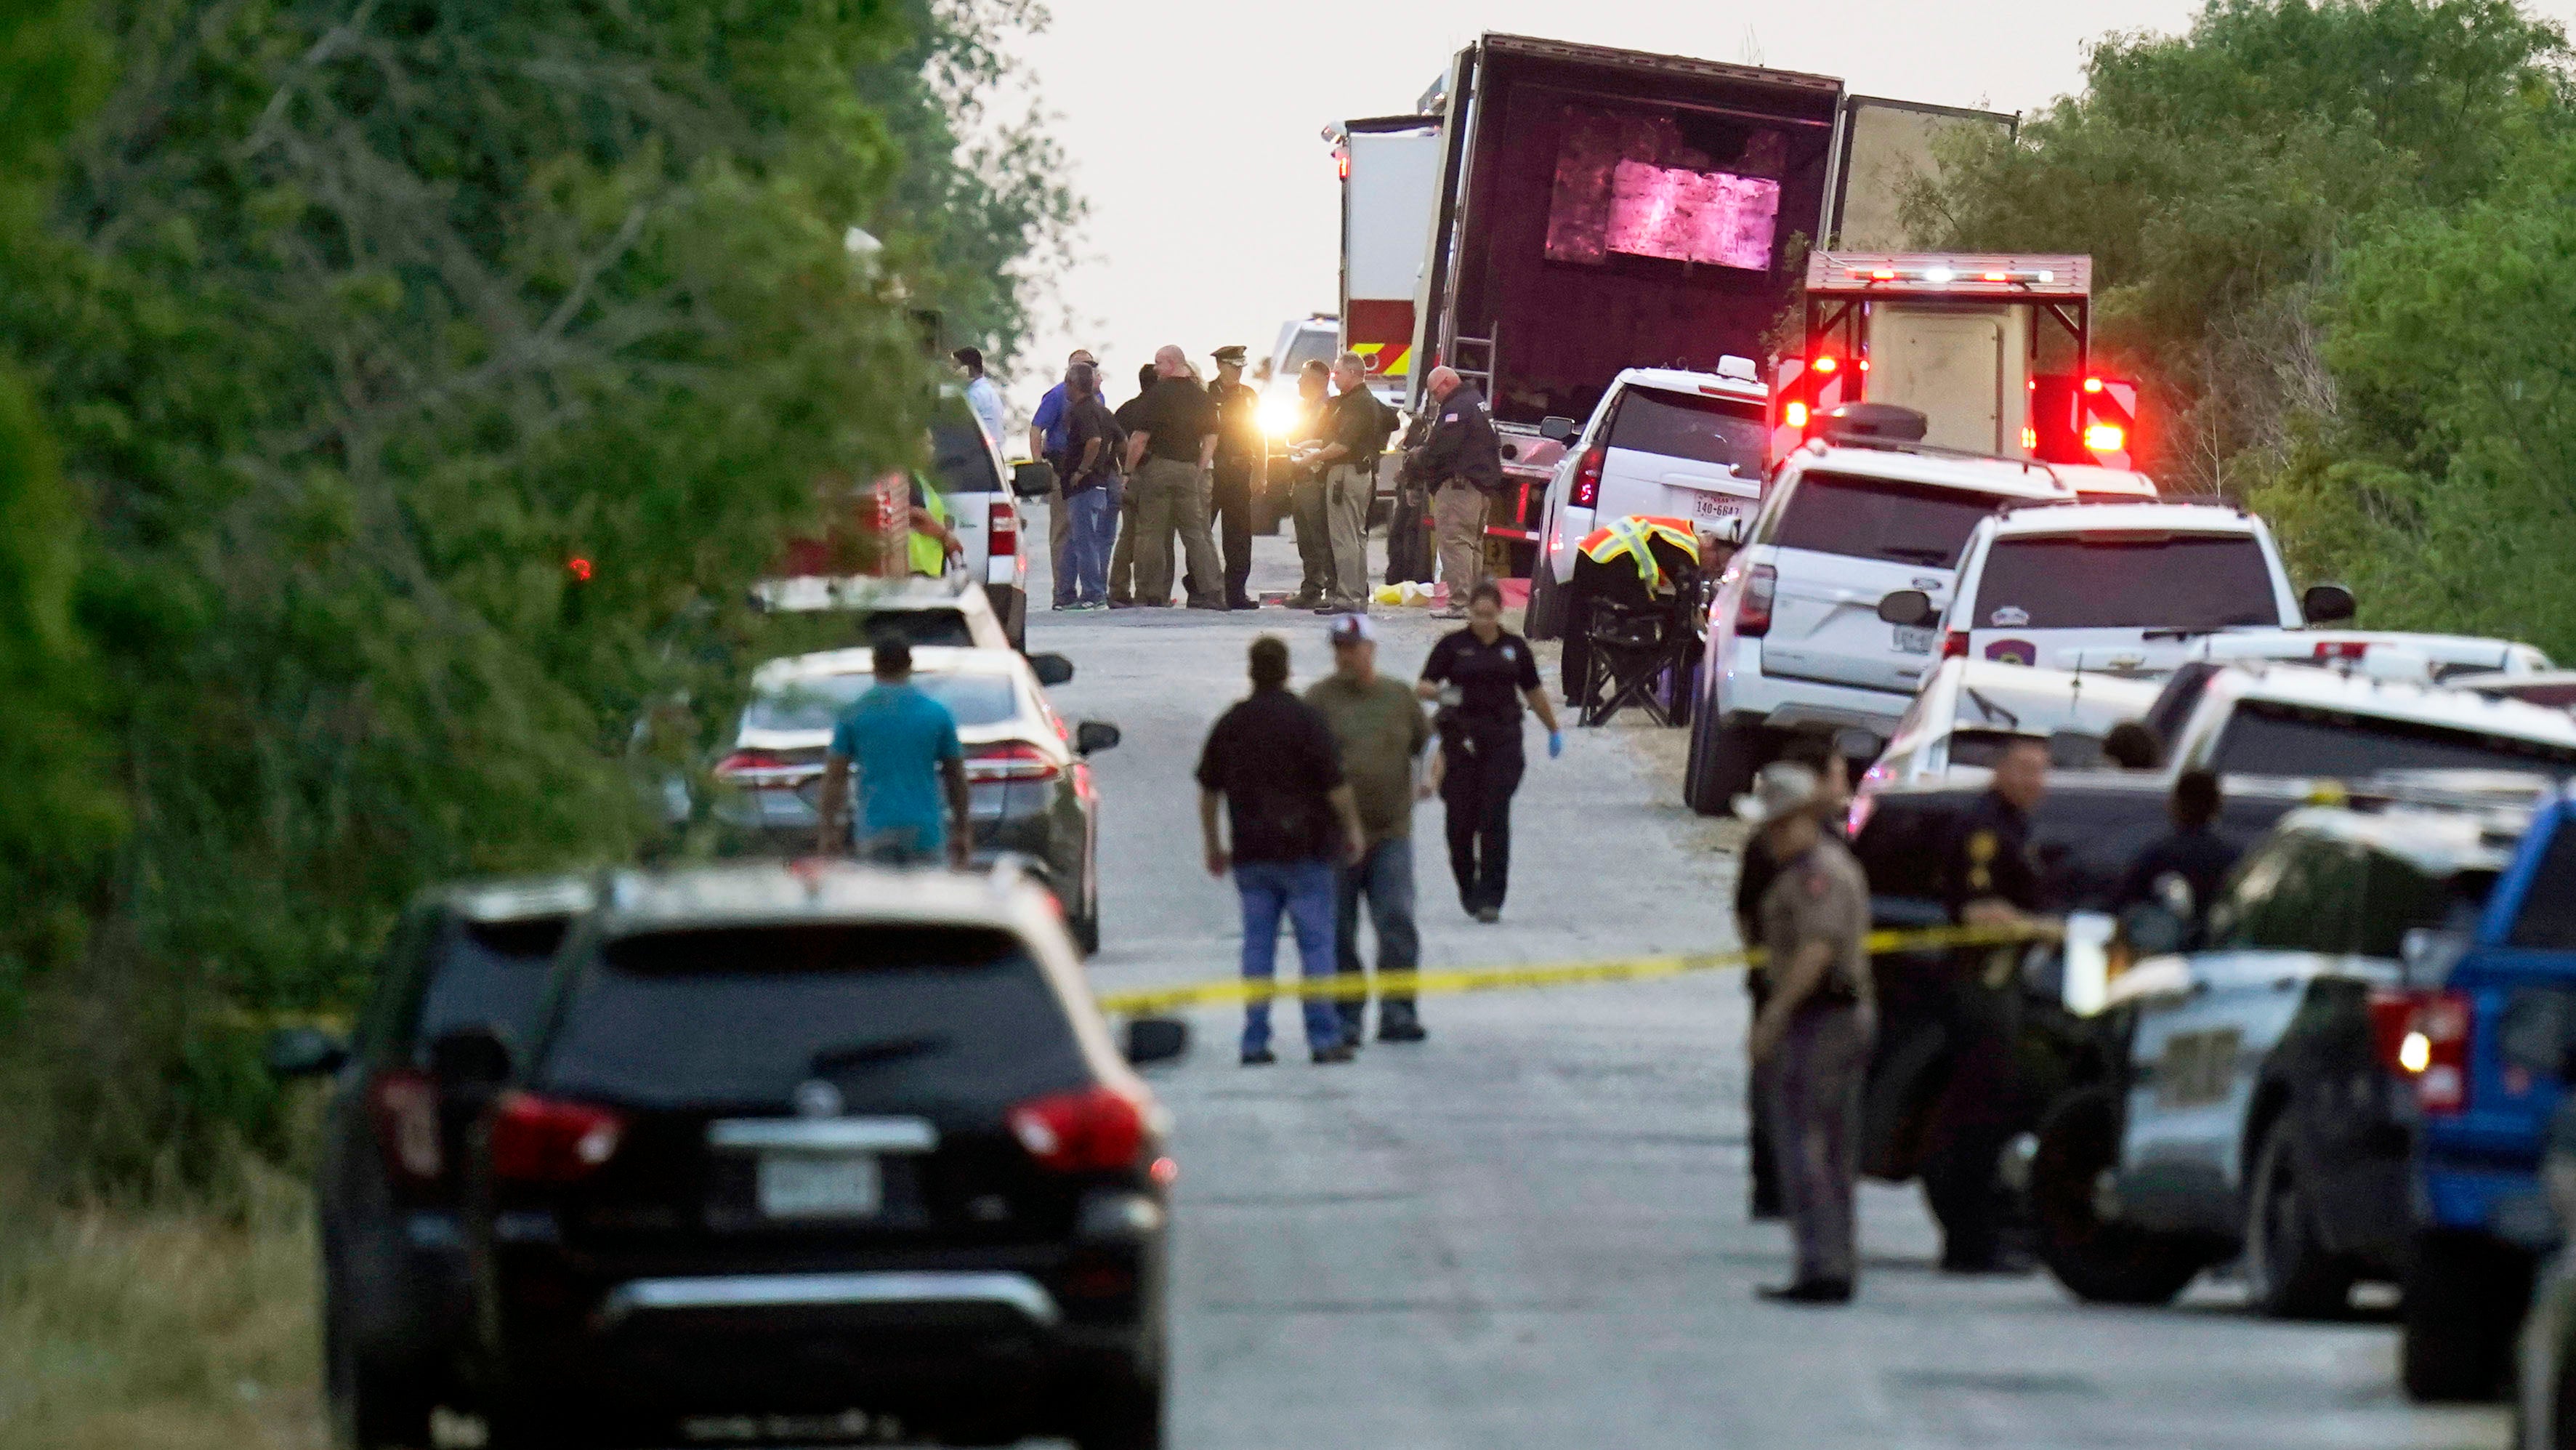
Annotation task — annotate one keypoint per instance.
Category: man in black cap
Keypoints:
(1241, 452)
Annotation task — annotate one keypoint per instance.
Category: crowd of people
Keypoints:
(1172, 477)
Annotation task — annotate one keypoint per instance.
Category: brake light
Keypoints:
(1954, 644)
(2342, 649)
(1753, 611)
(2105, 437)
(2092, 385)
(2423, 1038)
(1093, 1129)
(1795, 415)
(1824, 364)
(743, 762)
(404, 1104)
(546, 1140)
(1011, 760)
(1587, 476)
(1002, 530)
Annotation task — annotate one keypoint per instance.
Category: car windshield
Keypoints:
(945, 626)
(2263, 737)
(1877, 518)
(815, 702)
(1704, 430)
(739, 1016)
(2173, 581)
(2547, 921)
(488, 974)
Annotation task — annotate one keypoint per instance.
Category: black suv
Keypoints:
(821, 1151)
(466, 964)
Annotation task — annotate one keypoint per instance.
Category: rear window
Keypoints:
(1703, 430)
(1307, 344)
(2547, 921)
(1982, 747)
(2207, 582)
(487, 974)
(2266, 738)
(815, 703)
(960, 461)
(1874, 518)
(739, 1016)
(2556, 695)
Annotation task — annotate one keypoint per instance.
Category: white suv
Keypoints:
(2124, 589)
(1672, 444)
(1795, 640)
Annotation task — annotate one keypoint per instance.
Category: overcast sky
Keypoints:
(1194, 128)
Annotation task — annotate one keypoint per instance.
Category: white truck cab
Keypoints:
(1673, 444)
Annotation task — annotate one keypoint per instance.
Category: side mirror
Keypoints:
(1034, 479)
(470, 1064)
(2326, 603)
(1051, 670)
(1156, 1039)
(1558, 430)
(1094, 735)
(304, 1052)
(1908, 609)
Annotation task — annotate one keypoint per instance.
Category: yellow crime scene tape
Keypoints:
(1147, 1001)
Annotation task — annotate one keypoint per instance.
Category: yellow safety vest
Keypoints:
(1634, 536)
(928, 555)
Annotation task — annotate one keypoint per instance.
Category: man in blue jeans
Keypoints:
(904, 746)
(1378, 724)
(1272, 762)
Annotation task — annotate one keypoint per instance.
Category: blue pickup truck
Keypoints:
(2488, 1051)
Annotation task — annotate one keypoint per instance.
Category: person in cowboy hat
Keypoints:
(1810, 1043)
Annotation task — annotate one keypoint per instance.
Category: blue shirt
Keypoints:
(896, 735)
(1053, 419)
(986, 401)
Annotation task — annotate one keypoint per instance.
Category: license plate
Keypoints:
(1710, 506)
(820, 1185)
(1913, 639)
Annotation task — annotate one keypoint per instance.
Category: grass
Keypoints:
(165, 1328)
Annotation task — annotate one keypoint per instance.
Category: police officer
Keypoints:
(1462, 463)
(1755, 870)
(1987, 881)
(1241, 452)
(1810, 1043)
(1306, 509)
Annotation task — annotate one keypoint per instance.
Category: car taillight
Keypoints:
(1753, 611)
(1002, 533)
(1092, 1129)
(743, 762)
(2342, 649)
(2423, 1038)
(1954, 644)
(1014, 760)
(545, 1140)
(1587, 476)
(404, 1104)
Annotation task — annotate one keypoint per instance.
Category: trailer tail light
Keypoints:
(404, 1105)
(1091, 1130)
(2105, 437)
(2092, 385)
(1825, 364)
(2342, 649)
(1010, 760)
(1954, 644)
(547, 1140)
(1795, 415)
(1002, 531)
(1587, 475)
(2423, 1038)
(1753, 611)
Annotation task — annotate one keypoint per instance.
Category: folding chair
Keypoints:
(1638, 587)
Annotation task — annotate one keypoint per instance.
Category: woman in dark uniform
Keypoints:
(1480, 675)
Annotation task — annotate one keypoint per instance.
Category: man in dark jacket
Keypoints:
(1241, 452)
(1462, 463)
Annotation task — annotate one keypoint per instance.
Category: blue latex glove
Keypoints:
(1555, 744)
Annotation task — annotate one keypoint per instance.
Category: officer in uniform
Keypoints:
(1986, 881)
(1241, 453)
(1462, 463)
(1755, 871)
(1811, 1040)
(1306, 485)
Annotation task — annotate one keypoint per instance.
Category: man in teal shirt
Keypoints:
(904, 744)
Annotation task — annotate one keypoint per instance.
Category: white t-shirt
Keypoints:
(986, 400)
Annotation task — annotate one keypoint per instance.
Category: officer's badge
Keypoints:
(1981, 847)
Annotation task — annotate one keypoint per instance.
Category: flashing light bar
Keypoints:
(1939, 275)
(2105, 437)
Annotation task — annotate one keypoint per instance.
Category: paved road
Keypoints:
(1529, 1231)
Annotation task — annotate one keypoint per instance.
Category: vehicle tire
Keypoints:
(2100, 1261)
(2288, 1274)
(1545, 617)
(373, 1406)
(2464, 1301)
(1124, 1414)
(1722, 760)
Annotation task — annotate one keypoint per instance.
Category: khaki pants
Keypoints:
(1813, 1086)
(1172, 497)
(1122, 557)
(1314, 539)
(1348, 491)
(1458, 519)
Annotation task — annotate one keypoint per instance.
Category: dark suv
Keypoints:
(821, 1151)
(464, 964)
